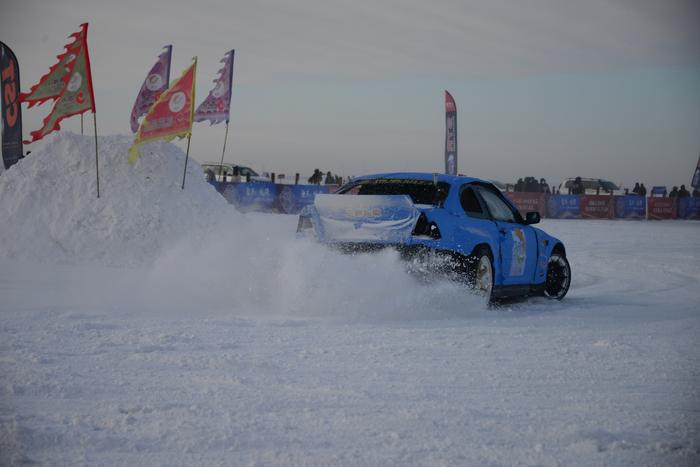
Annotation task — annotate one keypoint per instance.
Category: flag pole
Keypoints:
(221, 165)
(81, 125)
(97, 160)
(187, 155)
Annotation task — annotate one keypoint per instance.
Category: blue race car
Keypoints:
(457, 225)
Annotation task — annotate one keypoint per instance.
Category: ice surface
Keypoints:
(217, 338)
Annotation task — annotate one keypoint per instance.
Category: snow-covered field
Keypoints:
(200, 336)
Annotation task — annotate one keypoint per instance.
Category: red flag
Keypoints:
(76, 95)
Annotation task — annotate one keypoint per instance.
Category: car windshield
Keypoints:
(420, 191)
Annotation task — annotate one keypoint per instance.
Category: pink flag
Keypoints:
(215, 107)
(155, 83)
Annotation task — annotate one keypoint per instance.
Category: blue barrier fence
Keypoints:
(630, 207)
(564, 207)
(291, 199)
(689, 208)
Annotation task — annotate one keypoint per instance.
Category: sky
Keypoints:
(602, 88)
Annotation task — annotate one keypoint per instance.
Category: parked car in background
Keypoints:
(591, 186)
(228, 172)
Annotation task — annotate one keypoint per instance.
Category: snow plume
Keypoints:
(189, 250)
(257, 269)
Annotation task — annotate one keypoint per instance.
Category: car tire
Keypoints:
(558, 276)
(481, 273)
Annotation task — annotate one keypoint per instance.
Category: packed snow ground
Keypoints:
(217, 338)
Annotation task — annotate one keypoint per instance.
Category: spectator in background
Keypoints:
(636, 189)
(642, 190)
(544, 186)
(316, 178)
(577, 187)
(519, 185)
(674, 192)
(696, 193)
(683, 193)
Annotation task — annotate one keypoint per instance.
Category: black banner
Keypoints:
(11, 110)
(450, 135)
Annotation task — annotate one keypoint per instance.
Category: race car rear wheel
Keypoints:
(482, 274)
(558, 276)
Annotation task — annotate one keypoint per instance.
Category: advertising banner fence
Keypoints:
(597, 207)
(689, 208)
(661, 208)
(564, 206)
(256, 196)
(528, 202)
(630, 207)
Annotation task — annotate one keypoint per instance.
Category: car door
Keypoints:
(518, 242)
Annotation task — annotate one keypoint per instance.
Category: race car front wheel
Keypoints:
(558, 277)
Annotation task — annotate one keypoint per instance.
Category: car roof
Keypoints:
(451, 179)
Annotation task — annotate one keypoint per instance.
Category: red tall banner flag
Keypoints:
(171, 115)
(75, 95)
(450, 135)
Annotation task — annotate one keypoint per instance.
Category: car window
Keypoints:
(420, 191)
(470, 204)
(498, 208)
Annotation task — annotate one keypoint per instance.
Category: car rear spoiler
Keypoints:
(366, 218)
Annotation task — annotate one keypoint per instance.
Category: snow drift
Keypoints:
(49, 210)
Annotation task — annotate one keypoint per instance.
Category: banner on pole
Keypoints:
(51, 85)
(157, 80)
(171, 115)
(696, 176)
(216, 107)
(11, 109)
(76, 96)
(450, 135)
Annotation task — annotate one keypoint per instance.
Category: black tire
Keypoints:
(481, 273)
(558, 276)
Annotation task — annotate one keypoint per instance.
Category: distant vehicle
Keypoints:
(227, 172)
(457, 225)
(592, 186)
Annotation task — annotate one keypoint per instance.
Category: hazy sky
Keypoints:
(596, 88)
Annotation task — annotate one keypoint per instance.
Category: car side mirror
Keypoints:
(532, 218)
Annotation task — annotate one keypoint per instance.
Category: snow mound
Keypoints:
(49, 210)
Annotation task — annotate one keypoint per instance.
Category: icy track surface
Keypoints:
(158, 326)
(262, 350)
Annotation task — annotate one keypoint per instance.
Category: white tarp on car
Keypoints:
(361, 218)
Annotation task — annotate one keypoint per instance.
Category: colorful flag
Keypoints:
(157, 81)
(216, 106)
(77, 95)
(695, 183)
(450, 135)
(171, 115)
(51, 85)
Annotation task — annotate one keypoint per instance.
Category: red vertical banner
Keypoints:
(450, 135)
(597, 207)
